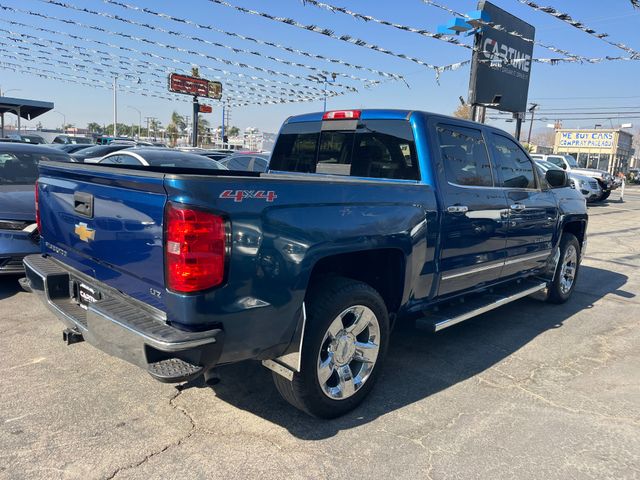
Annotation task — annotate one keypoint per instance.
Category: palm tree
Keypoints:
(94, 127)
(178, 121)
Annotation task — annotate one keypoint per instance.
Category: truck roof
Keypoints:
(378, 114)
(367, 114)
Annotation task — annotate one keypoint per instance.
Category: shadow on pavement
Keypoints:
(9, 286)
(420, 364)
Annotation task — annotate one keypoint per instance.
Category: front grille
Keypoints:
(593, 184)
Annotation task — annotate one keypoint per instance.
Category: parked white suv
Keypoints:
(568, 163)
(589, 187)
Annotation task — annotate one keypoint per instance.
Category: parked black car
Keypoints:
(94, 153)
(160, 157)
(18, 174)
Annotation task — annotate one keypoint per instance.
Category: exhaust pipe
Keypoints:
(71, 336)
(211, 377)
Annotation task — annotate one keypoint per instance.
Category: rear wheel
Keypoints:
(564, 280)
(343, 349)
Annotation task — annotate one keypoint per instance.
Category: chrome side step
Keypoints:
(474, 306)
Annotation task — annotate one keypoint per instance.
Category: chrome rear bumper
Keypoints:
(122, 326)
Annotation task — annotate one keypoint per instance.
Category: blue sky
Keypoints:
(609, 84)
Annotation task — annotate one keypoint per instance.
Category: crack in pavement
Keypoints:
(173, 444)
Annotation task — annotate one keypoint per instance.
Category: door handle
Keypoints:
(517, 207)
(458, 209)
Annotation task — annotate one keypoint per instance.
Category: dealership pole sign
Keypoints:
(195, 86)
(501, 63)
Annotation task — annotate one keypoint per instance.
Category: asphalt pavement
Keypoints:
(529, 391)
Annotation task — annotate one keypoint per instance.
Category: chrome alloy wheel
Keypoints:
(348, 352)
(568, 269)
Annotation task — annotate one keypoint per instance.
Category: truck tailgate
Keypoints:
(106, 223)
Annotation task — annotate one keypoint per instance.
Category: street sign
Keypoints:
(205, 108)
(502, 60)
(198, 87)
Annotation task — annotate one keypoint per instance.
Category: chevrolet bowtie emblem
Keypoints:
(84, 232)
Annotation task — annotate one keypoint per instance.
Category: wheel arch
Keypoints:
(381, 268)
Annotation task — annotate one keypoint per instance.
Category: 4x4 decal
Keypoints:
(240, 195)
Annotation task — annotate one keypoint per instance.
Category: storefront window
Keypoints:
(603, 161)
(583, 159)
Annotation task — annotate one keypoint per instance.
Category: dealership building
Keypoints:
(605, 149)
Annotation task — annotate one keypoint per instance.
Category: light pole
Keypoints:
(326, 80)
(139, 119)
(115, 106)
(64, 118)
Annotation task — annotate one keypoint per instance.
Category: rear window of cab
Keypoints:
(375, 149)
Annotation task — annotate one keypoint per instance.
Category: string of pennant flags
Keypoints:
(147, 41)
(565, 17)
(268, 86)
(297, 51)
(98, 81)
(147, 65)
(226, 61)
(68, 61)
(210, 43)
(330, 33)
(369, 18)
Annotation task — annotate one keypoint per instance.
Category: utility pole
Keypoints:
(115, 106)
(139, 119)
(532, 109)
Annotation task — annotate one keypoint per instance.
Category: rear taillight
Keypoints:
(195, 246)
(38, 210)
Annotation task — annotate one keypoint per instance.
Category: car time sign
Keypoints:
(196, 86)
(501, 64)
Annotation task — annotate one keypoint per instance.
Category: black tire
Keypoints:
(558, 293)
(324, 304)
(605, 195)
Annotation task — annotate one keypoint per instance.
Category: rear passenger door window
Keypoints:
(515, 170)
(464, 156)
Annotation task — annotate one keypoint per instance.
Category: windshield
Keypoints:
(571, 161)
(22, 168)
(544, 165)
(100, 150)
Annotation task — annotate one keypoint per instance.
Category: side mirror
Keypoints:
(557, 178)
(564, 166)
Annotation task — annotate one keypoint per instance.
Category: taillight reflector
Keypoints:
(38, 222)
(195, 246)
(341, 115)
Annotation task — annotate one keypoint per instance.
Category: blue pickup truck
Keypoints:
(365, 217)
